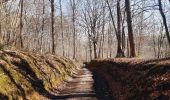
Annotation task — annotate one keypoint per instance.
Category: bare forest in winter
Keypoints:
(84, 49)
(87, 29)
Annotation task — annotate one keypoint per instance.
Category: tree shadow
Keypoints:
(68, 96)
(8, 73)
(3, 97)
(25, 69)
(101, 87)
(37, 84)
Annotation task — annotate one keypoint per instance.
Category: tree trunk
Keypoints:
(164, 20)
(95, 49)
(120, 52)
(123, 40)
(90, 47)
(52, 27)
(154, 45)
(140, 38)
(101, 54)
(130, 30)
(61, 25)
(0, 29)
(74, 28)
(21, 25)
(42, 27)
(128, 51)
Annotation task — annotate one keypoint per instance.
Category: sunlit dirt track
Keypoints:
(80, 87)
(83, 87)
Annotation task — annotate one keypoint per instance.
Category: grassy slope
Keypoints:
(135, 79)
(30, 76)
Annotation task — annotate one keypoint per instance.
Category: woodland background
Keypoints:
(86, 29)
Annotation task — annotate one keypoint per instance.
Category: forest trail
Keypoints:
(80, 87)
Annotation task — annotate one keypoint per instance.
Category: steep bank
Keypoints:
(135, 79)
(31, 76)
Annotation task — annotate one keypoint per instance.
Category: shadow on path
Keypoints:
(63, 97)
(101, 88)
(78, 88)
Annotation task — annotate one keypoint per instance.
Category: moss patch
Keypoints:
(31, 76)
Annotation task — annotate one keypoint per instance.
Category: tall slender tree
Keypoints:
(21, 24)
(120, 52)
(0, 24)
(52, 27)
(42, 26)
(61, 26)
(164, 20)
(73, 8)
(130, 29)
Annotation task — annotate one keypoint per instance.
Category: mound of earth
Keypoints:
(135, 79)
(31, 76)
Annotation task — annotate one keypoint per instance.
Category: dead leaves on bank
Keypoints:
(135, 79)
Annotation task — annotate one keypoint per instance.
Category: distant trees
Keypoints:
(158, 43)
(86, 29)
(3, 1)
(93, 20)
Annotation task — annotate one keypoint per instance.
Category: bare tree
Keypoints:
(164, 20)
(88, 30)
(102, 40)
(42, 26)
(130, 30)
(0, 33)
(73, 8)
(61, 26)
(21, 24)
(120, 52)
(52, 27)
(158, 42)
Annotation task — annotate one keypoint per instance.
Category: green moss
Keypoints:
(24, 75)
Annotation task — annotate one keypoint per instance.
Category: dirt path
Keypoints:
(79, 88)
(85, 85)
